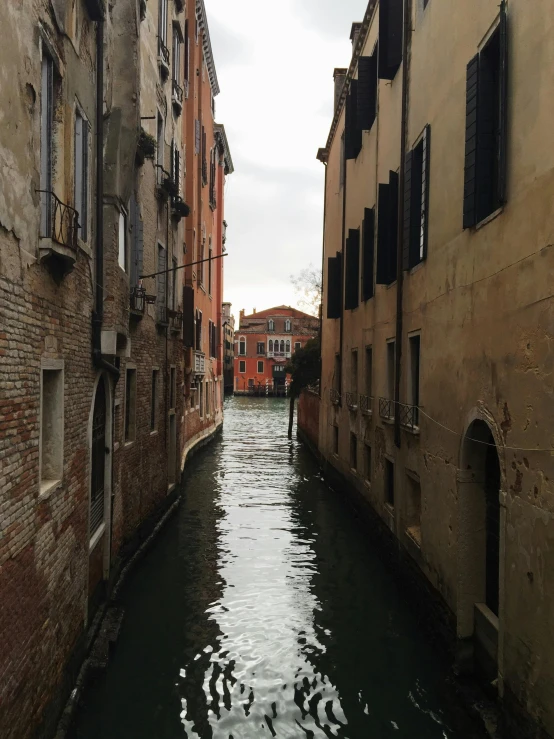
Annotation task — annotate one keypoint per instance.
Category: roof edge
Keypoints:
(220, 133)
(202, 19)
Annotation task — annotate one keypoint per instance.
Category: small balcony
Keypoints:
(352, 401)
(177, 97)
(167, 186)
(137, 301)
(199, 363)
(59, 227)
(162, 316)
(409, 417)
(279, 355)
(175, 321)
(163, 59)
(366, 404)
(386, 409)
(179, 209)
(334, 396)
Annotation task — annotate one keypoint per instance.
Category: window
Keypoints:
(176, 72)
(353, 451)
(130, 403)
(368, 253)
(242, 365)
(172, 387)
(367, 91)
(271, 325)
(242, 346)
(369, 371)
(486, 128)
(162, 21)
(334, 286)
(251, 382)
(387, 230)
(352, 276)
(260, 368)
(51, 427)
(287, 346)
(297, 346)
(287, 325)
(201, 263)
(210, 268)
(173, 284)
(260, 347)
(414, 376)
(389, 482)
(204, 160)
(213, 171)
(390, 370)
(81, 175)
(46, 144)
(198, 337)
(154, 400)
(197, 136)
(187, 56)
(367, 465)
(353, 133)
(335, 439)
(391, 18)
(342, 173)
(413, 509)
(354, 371)
(416, 202)
(337, 373)
(161, 282)
(160, 146)
(122, 240)
(271, 345)
(282, 346)
(201, 399)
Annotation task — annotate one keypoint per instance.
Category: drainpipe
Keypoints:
(98, 313)
(400, 240)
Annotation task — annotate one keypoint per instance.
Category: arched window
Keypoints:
(271, 345)
(288, 346)
(287, 325)
(242, 346)
(271, 325)
(282, 345)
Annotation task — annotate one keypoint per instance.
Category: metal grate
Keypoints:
(386, 408)
(163, 51)
(334, 396)
(62, 223)
(366, 403)
(352, 401)
(409, 415)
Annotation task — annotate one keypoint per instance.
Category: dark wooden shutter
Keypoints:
(367, 92)
(188, 315)
(382, 234)
(368, 251)
(334, 285)
(393, 225)
(503, 83)
(425, 180)
(408, 215)
(353, 134)
(352, 270)
(390, 37)
(470, 168)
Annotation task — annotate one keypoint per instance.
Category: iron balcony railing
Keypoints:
(163, 51)
(137, 299)
(59, 222)
(409, 416)
(166, 183)
(334, 396)
(162, 316)
(177, 93)
(386, 408)
(352, 401)
(366, 403)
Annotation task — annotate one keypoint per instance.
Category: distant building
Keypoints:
(264, 343)
(228, 322)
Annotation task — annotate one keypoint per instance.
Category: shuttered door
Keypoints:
(353, 134)
(334, 285)
(407, 225)
(390, 38)
(382, 235)
(393, 226)
(352, 269)
(470, 167)
(425, 180)
(503, 84)
(188, 316)
(368, 251)
(367, 92)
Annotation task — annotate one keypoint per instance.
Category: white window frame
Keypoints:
(81, 193)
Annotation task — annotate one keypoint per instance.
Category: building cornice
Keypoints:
(221, 138)
(356, 52)
(202, 19)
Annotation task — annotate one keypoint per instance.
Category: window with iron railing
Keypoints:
(352, 400)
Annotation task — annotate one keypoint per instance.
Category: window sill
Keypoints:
(128, 443)
(367, 483)
(490, 218)
(409, 430)
(388, 421)
(416, 267)
(367, 413)
(47, 487)
(414, 535)
(84, 247)
(96, 537)
(154, 433)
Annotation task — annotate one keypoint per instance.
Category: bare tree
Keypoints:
(308, 286)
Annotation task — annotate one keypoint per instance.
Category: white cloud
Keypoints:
(275, 68)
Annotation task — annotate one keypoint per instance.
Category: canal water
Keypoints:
(263, 611)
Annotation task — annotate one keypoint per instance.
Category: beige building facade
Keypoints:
(436, 391)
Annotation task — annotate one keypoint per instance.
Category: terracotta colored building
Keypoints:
(264, 343)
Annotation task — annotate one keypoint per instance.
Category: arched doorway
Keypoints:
(100, 435)
(479, 535)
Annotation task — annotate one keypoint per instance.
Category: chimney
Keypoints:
(339, 75)
(254, 311)
(241, 316)
(354, 33)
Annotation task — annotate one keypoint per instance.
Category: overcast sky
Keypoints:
(275, 66)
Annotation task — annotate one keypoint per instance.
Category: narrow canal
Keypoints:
(262, 611)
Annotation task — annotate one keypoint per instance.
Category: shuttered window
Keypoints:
(367, 92)
(188, 315)
(353, 134)
(390, 38)
(352, 270)
(486, 128)
(368, 253)
(334, 286)
(416, 202)
(387, 231)
(137, 241)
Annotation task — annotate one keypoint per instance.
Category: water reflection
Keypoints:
(263, 612)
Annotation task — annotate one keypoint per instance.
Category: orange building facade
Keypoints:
(264, 343)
